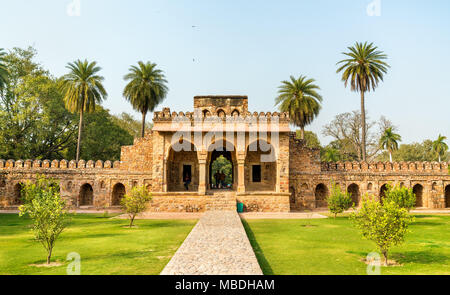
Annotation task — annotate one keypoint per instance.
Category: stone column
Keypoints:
(202, 177)
(241, 176)
(165, 171)
(277, 175)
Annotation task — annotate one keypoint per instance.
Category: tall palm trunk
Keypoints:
(143, 124)
(363, 123)
(302, 133)
(80, 126)
(390, 156)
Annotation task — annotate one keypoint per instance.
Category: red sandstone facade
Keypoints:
(272, 171)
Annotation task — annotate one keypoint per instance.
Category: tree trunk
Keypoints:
(80, 126)
(439, 158)
(385, 254)
(390, 156)
(131, 220)
(363, 123)
(302, 133)
(143, 125)
(49, 256)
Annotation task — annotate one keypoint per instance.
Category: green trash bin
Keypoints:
(240, 207)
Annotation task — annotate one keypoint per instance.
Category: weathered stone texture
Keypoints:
(292, 176)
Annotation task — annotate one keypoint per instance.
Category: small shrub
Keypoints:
(44, 205)
(402, 196)
(385, 224)
(135, 202)
(338, 200)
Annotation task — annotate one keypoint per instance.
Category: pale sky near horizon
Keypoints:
(248, 47)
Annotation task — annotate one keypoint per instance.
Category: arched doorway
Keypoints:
(292, 199)
(260, 167)
(117, 194)
(17, 194)
(383, 190)
(418, 191)
(86, 197)
(447, 196)
(221, 171)
(182, 167)
(222, 168)
(353, 190)
(321, 194)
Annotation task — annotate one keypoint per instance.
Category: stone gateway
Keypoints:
(271, 170)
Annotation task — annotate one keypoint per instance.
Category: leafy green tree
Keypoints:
(103, 137)
(364, 68)
(83, 90)
(299, 98)
(132, 126)
(330, 154)
(146, 88)
(402, 196)
(221, 164)
(310, 138)
(415, 152)
(338, 200)
(3, 69)
(389, 141)
(135, 202)
(439, 146)
(385, 224)
(33, 120)
(44, 205)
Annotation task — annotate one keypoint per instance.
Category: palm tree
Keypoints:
(146, 89)
(389, 141)
(83, 90)
(365, 68)
(299, 98)
(3, 70)
(439, 146)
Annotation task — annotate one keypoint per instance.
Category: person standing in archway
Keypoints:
(217, 178)
(222, 179)
(187, 181)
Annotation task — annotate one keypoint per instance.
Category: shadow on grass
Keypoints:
(265, 266)
(427, 223)
(420, 257)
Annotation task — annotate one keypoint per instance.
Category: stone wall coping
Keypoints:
(390, 167)
(58, 164)
(243, 117)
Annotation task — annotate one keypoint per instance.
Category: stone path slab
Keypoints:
(218, 245)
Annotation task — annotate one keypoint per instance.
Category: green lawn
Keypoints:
(104, 244)
(328, 246)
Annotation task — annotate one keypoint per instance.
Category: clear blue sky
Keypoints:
(248, 47)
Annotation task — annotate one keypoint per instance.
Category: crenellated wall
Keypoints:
(310, 180)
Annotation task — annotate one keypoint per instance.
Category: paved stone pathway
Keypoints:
(218, 245)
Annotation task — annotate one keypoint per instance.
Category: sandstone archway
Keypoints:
(260, 167)
(17, 194)
(117, 194)
(383, 190)
(321, 194)
(418, 191)
(182, 165)
(353, 190)
(86, 197)
(447, 196)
